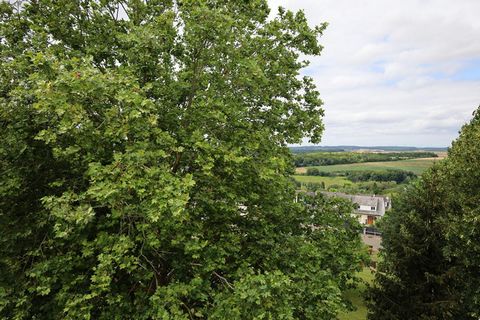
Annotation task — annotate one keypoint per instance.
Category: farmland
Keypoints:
(374, 177)
(414, 165)
(329, 181)
(333, 158)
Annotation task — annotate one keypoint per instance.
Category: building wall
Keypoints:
(363, 218)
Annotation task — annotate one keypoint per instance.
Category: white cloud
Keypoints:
(391, 70)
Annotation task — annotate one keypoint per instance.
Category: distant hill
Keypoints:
(359, 148)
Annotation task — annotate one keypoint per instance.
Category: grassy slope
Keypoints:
(356, 297)
(415, 165)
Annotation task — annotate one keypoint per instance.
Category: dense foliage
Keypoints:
(431, 254)
(318, 172)
(332, 158)
(145, 168)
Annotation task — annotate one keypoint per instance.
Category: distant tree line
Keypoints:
(399, 176)
(312, 149)
(332, 158)
(367, 187)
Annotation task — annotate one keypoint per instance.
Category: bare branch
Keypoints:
(224, 280)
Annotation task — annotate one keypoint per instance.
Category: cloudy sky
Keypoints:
(395, 72)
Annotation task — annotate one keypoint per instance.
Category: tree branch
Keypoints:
(176, 164)
(224, 280)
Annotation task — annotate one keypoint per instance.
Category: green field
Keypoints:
(416, 166)
(356, 297)
(327, 180)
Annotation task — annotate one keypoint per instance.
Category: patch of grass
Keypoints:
(327, 180)
(356, 297)
(416, 166)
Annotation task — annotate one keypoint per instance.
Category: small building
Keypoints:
(368, 208)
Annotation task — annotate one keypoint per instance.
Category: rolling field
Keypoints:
(327, 180)
(417, 166)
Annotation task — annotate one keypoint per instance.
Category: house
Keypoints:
(368, 208)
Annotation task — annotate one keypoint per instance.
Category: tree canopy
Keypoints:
(145, 168)
(431, 255)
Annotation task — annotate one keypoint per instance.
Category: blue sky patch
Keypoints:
(470, 72)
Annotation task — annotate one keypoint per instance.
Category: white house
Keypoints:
(369, 208)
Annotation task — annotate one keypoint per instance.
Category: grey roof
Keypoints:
(365, 200)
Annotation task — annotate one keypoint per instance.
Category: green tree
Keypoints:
(463, 211)
(430, 259)
(145, 168)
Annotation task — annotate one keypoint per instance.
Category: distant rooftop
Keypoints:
(367, 204)
(374, 205)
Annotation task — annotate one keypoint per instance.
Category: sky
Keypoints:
(395, 72)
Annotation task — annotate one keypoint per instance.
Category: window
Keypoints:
(373, 208)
